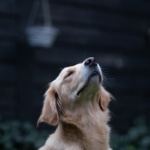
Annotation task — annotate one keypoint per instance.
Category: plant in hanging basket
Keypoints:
(43, 36)
(38, 35)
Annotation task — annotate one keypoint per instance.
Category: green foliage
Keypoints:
(24, 136)
(20, 136)
(137, 138)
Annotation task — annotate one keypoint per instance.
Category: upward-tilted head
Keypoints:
(78, 98)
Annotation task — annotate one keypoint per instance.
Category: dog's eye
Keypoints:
(69, 74)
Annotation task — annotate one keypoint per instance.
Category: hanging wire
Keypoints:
(34, 12)
(38, 35)
(46, 12)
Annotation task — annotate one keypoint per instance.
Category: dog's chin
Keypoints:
(95, 77)
(93, 81)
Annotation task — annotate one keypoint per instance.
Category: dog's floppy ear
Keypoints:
(105, 98)
(49, 111)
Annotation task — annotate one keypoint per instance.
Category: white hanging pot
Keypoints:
(41, 35)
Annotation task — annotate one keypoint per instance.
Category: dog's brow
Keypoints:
(70, 70)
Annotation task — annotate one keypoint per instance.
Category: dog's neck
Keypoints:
(87, 135)
(69, 129)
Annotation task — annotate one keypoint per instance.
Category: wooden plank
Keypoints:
(44, 75)
(126, 71)
(39, 96)
(25, 87)
(126, 7)
(125, 121)
(134, 84)
(132, 97)
(126, 63)
(8, 50)
(8, 112)
(8, 22)
(8, 7)
(71, 15)
(95, 38)
(60, 56)
(122, 92)
(8, 74)
(8, 33)
(7, 95)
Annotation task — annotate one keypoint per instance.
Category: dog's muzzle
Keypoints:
(94, 70)
(92, 64)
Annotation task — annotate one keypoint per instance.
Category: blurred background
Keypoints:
(40, 37)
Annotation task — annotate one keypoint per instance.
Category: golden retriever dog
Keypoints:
(77, 103)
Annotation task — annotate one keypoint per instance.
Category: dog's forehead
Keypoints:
(64, 72)
(68, 69)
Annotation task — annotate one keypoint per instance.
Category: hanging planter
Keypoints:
(41, 35)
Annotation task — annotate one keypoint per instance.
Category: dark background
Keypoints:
(115, 32)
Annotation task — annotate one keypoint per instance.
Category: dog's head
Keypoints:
(74, 86)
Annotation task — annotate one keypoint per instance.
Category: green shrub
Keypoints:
(20, 136)
(24, 136)
(137, 137)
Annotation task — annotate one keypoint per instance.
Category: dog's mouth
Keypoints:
(93, 74)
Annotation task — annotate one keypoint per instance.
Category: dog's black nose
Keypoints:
(90, 61)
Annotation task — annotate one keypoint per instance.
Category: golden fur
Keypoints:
(77, 102)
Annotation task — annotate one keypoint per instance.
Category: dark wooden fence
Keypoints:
(112, 31)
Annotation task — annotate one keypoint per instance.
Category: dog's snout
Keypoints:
(91, 61)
